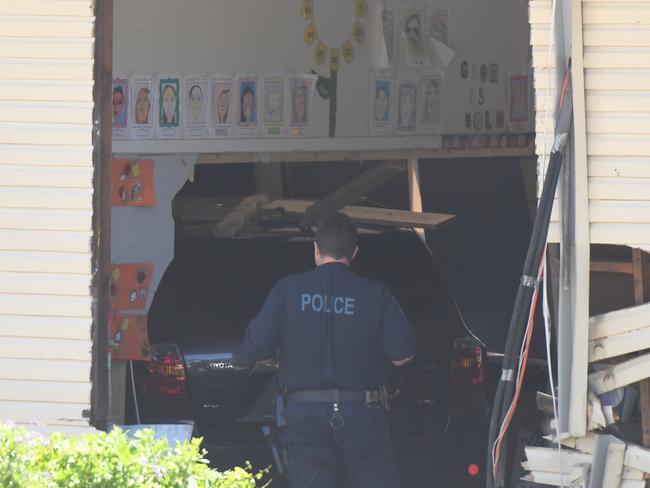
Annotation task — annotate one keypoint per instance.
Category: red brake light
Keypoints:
(468, 365)
(166, 372)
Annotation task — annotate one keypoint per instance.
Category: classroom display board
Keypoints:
(309, 70)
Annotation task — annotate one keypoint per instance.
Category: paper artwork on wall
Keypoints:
(129, 284)
(301, 94)
(274, 113)
(196, 93)
(120, 107)
(143, 93)
(381, 104)
(389, 39)
(518, 97)
(129, 338)
(247, 102)
(414, 36)
(406, 106)
(170, 107)
(431, 104)
(439, 26)
(132, 183)
(221, 114)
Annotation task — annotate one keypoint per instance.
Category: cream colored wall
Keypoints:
(616, 38)
(46, 84)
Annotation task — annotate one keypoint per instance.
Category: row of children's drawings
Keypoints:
(219, 106)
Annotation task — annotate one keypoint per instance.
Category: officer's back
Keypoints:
(335, 332)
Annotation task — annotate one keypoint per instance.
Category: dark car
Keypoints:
(213, 288)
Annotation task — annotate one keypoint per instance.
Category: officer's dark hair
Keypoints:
(336, 236)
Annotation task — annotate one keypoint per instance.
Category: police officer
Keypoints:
(335, 332)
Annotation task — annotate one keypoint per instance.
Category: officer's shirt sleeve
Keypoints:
(398, 333)
(263, 333)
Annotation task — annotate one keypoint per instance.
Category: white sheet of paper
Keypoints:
(444, 53)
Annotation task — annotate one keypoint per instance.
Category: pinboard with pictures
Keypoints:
(318, 69)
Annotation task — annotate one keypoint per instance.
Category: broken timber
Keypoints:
(234, 221)
(352, 191)
(371, 215)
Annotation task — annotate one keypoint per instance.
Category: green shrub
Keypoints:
(110, 460)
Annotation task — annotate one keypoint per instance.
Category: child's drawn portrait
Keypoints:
(300, 97)
(169, 103)
(274, 89)
(195, 104)
(518, 99)
(143, 106)
(431, 100)
(388, 30)
(120, 102)
(407, 96)
(382, 99)
(414, 38)
(247, 115)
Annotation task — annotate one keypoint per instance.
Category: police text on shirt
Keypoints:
(326, 304)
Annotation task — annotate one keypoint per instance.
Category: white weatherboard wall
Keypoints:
(616, 37)
(46, 168)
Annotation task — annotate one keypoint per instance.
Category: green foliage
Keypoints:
(109, 460)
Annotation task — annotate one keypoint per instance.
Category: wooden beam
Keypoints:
(607, 463)
(611, 267)
(371, 215)
(206, 157)
(240, 216)
(621, 374)
(102, 395)
(617, 345)
(352, 191)
(640, 276)
(415, 194)
(619, 321)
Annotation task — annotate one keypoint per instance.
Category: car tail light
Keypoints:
(468, 365)
(166, 372)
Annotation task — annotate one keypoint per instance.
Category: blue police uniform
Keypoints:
(334, 331)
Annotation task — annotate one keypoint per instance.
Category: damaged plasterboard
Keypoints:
(146, 234)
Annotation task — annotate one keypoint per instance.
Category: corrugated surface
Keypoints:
(46, 106)
(617, 69)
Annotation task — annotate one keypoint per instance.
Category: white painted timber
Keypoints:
(576, 479)
(47, 134)
(45, 262)
(53, 69)
(624, 167)
(619, 321)
(612, 346)
(46, 47)
(44, 283)
(46, 327)
(46, 209)
(637, 457)
(621, 374)
(47, 241)
(47, 27)
(78, 113)
(48, 391)
(46, 198)
(46, 176)
(616, 40)
(45, 305)
(54, 156)
(67, 8)
(51, 413)
(36, 348)
(45, 219)
(41, 370)
(549, 459)
(632, 483)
